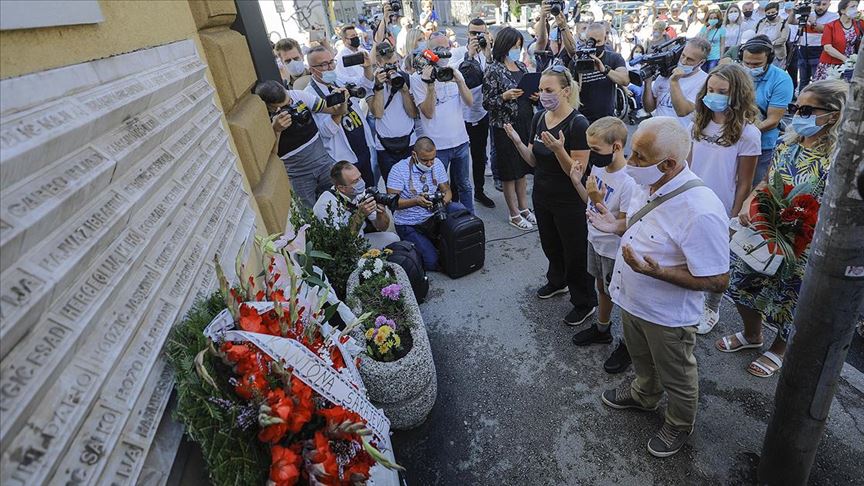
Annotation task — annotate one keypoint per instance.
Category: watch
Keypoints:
(377, 87)
(606, 70)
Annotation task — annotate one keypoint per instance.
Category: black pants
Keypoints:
(564, 238)
(478, 133)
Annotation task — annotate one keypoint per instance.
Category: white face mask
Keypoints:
(295, 67)
(851, 11)
(733, 16)
(645, 176)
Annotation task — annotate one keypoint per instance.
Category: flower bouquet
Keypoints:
(288, 377)
(388, 337)
(785, 217)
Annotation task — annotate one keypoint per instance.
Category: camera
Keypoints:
(555, 6)
(582, 62)
(333, 99)
(395, 5)
(389, 201)
(299, 112)
(355, 91)
(663, 59)
(437, 200)
(353, 60)
(802, 11)
(481, 39)
(431, 58)
(397, 81)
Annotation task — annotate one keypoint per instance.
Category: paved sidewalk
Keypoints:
(518, 404)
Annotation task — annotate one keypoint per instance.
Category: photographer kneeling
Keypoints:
(424, 199)
(349, 202)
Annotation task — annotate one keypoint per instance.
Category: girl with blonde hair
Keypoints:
(726, 145)
(557, 146)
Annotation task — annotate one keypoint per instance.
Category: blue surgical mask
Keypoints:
(716, 102)
(757, 72)
(789, 5)
(359, 188)
(514, 54)
(712, 22)
(685, 68)
(806, 127)
(329, 77)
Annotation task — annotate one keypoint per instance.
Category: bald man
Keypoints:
(674, 247)
(597, 96)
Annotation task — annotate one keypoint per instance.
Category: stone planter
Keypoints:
(406, 388)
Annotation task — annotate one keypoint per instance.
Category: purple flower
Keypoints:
(392, 291)
(384, 321)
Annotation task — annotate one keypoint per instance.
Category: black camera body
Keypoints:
(395, 5)
(355, 91)
(355, 59)
(389, 201)
(394, 77)
(431, 58)
(582, 62)
(481, 39)
(802, 11)
(662, 60)
(299, 112)
(437, 200)
(555, 6)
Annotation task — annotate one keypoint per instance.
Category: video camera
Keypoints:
(397, 81)
(437, 200)
(663, 59)
(299, 112)
(389, 201)
(802, 11)
(430, 58)
(582, 62)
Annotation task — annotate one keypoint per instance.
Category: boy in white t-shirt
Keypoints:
(608, 185)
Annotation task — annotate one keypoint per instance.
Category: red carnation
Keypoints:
(284, 466)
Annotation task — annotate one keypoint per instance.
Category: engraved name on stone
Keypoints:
(189, 134)
(155, 165)
(84, 460)
(195, 168)
(171, 108)
(171, 243)
(154, 214)
(124, 464)
(187, 267)
(199, 90)
(113, 96)
(18, 290)
(39, 125)
(133, 132)
(145, 419)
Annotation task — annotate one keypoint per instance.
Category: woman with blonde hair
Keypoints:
(726, 145)
(557, 146)
(803, 157)
(414, 39)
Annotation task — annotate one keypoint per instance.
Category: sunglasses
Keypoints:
(556, 68)
(805, 111)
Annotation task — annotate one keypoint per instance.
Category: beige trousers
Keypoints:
(663, 359)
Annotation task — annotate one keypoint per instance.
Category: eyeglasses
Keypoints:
(805, 111)
(556, 68)
(329, 64)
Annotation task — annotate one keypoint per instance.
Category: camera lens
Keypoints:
(396, 80)
(444, 74)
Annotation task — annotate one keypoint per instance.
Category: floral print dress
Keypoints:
(851, 35)
(775, 296)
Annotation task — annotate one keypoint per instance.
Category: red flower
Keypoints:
(251, 384)
(808, 206)
(325, 456)
(357, 471)
(336, 415)
(250, 320)
(303, 405)
(803, 240)
(284, 466)
(282, 407)
(247, 358)
(787, 188)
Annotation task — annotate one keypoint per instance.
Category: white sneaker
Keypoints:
(709, 320)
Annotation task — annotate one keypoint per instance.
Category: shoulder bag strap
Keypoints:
(390, 98)
(660, 200)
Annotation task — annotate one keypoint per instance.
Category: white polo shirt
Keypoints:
(690, 229)
(690, 86)
(446, 128)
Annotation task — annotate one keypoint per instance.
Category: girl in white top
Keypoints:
(732, 24)
(726, 145)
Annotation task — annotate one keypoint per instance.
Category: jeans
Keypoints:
(456, 160)
(479, 134)
(424, 245)
(762, 165)
(637, 95)
(808, 60)
(386, 161)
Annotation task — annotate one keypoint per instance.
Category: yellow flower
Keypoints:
(369, 333)
(373, 253)
(385, 330)
(380, 338)
(384, 348)
(396, 341)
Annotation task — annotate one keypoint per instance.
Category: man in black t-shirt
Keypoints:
(597, 94)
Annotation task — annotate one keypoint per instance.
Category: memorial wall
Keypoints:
(118, 188)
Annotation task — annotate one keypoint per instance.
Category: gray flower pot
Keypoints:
(406, 388)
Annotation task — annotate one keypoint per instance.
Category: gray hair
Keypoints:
(671, 139)
(702, 44)
(314, 50)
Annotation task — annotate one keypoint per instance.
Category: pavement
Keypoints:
(519, 404)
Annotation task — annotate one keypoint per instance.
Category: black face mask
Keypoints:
(748, 14)
(600, 160)
(771, 17)
(354, 42)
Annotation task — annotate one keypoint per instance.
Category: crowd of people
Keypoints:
(748, 100)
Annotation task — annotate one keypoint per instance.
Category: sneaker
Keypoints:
(709, 320)
(619, 361)
(484, 200)
(592, 336)
(622, 399)
(548, 291)
(642, 113)
(667, 441)
(499, 186)
(578, 315)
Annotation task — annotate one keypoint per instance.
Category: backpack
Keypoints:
(406, 256)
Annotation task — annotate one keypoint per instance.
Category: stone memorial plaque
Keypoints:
(118, 188)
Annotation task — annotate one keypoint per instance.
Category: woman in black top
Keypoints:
(508, 105)
(556, 146)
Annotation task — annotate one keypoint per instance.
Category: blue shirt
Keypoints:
(773, 90)
(412, 182)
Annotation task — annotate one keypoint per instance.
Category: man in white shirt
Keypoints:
(346, 134)
(675, 246)
(359, 74)
(750, 19)
(472, 65)
(441, 104)
(675, 96)
(810, 40)
(347, 203)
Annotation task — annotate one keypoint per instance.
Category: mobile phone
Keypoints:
(352, 60)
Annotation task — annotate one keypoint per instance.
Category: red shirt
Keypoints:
(834, 35)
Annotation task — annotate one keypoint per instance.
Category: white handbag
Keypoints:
(744, 243)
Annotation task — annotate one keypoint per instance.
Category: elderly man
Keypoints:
(676, 95)
(675, 246)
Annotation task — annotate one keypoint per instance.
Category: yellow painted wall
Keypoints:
(129, 25)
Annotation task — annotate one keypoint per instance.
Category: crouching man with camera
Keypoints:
(393, 108)
(424, 199)
(350, 202)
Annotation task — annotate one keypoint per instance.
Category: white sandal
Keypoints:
(727, 343)
(528, 215)
(521, 223)
(768, 372)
